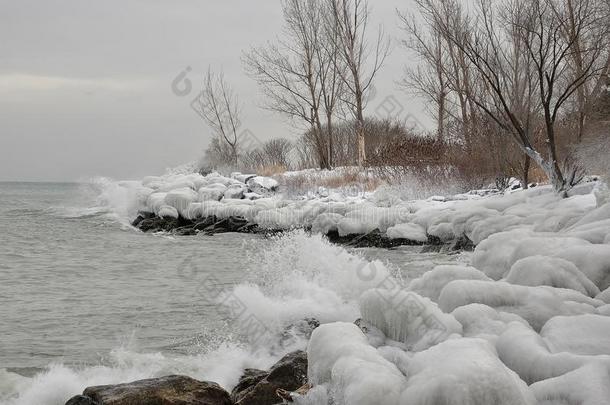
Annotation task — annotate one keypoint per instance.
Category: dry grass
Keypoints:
(271, 170)
(342, 179)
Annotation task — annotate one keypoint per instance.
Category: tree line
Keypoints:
(513, 87)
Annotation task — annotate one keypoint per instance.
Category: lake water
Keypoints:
(85, 299)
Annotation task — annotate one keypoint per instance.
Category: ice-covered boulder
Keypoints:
(482, 229)
(463, 371)
(592, 260)
(534, 304)
(482, 321)
(193, 211)
(493, 255)
(588, 385)
(355, 226)
(262, 185)
(324, 223)
(167, 211)
(585, 334)
(604, 296)
(527, 353)
(594, 232)
(181, 198)
(432, 282)
(242, 178)
(496, 254)
(340, 357)
(409, 318)
(408, 231)
(235, 191)
(155, 201)
(212, 192)
(551, 271)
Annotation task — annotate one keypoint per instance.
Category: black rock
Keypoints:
(81, 400)
(463, 243)
(205, 223)
(374, 238)
(170, 390)
(247, 382)
(289, 374)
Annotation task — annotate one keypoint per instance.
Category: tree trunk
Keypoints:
(360, 128)
(329, 131)
(526, 172)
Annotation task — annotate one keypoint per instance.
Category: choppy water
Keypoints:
(85, 299)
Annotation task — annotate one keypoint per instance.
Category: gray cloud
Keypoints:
(85, 86)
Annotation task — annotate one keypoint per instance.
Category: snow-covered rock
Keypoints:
(585, 334)
(551, 271)
(408, 318)
(482, 321)
(588, 385)
(234, 191)
(262, 185)
(167, 211)
(408, 231)
(527, 353)
(340, 357)
(534, 304)
(463, 371)
(431, 283)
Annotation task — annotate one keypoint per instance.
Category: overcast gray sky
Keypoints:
(85, 86)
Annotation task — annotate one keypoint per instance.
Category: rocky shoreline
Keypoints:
(210, 225)
(255, 387)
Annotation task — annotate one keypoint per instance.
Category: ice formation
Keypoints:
(551, 271)
(531, 305)
(463, 371)
(408, 318)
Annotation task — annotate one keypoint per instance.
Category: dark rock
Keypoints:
(463, 243)
(289, 374)
(157, 224)
(372, 239)
(170, 390)
(81, 400)
(230, 224)
(142, 216)
(247, 382)
(205, 223)
(185, 231)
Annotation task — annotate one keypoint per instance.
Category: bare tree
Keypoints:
(298, 73)
(277, 152)
(520, 48)
(219, 106)
(428, 79)
(590, 91)
(349, 21)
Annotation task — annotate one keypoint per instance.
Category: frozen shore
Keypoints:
(526, 321)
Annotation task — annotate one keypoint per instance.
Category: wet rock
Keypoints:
(170, 390)
(247, 382)
(463, 243)
(230, 224)
(157, 224)
(185, 231)
(141, 217)
(372, 239)
(81, 400)
(205, 223)
(288, 374)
